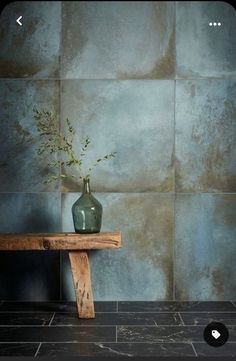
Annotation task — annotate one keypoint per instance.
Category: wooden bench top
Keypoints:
(59, 241)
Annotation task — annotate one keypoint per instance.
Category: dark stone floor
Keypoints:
(120, 328)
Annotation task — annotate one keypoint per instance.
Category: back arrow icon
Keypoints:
(18, 20)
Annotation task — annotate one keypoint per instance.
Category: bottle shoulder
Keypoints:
(87, 200)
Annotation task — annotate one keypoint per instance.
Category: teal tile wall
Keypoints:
(32, 50)
(146, 260)
(203, 51)
(120, 116)
(152, 81)
(113, 40)
(21, 168)
(205, 249)
(205, 135)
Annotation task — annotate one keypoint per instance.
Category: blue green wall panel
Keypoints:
(121, 116)
(32, 50)
(154, 82)
(113, 40)
(205, 135)
(21, 168)
(143, 268)
(203, 51)
(205, 252)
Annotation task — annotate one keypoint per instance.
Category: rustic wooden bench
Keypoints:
(77, 245)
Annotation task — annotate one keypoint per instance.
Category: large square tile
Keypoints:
(152, 334)
(198, 318)
(205, 250)
(142, 269)
(25, 319)
(134, 118)
(33, 49)
(175, 306)
(205, 136)
(30, 212)
(118, 40)
(21, 168)
(120, 349)
(18, 349)
(117, 318)
(203, 50)
(227, 350)
(59, 334)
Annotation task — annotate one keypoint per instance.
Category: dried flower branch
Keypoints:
(62, 145)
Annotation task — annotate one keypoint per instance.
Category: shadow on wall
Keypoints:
(29, 275)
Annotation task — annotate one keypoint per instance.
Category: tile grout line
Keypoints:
(173, 312)
(192, 326)
(114, 79)
(181, 319)
(105, 325)
(233, 303)
(116, 192)
(60, 251)
(194, 350)
(60, 182)
(144, 312)
(113, 342)
(61, 42)
(64, 301)
(116, 333)
(174, 206)
(37, 351)
(174, 126)
(117, 307)
(52, 319)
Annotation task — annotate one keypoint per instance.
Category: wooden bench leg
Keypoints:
(82, 282)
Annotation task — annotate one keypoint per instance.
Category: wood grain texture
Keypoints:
(59, 241)
(82, 283)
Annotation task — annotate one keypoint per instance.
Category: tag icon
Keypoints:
(215, 334)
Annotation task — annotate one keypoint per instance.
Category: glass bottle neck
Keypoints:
(86, 188)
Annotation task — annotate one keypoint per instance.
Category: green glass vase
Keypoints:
(87, 212)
